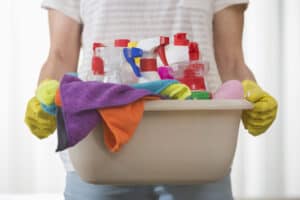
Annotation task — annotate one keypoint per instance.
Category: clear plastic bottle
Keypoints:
(192, 72)
(178, 50)
(114, 61)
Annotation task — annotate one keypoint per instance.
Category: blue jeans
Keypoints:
(76, 189)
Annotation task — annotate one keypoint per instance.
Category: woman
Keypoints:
(217, 26)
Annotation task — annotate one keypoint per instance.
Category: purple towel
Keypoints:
(81, 100)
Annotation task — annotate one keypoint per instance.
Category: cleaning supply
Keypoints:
(73, 74)
(231, 89)
(165, 72)
(193, 72)
(118, 127)
(114, 62)
(192, 79)
(198, 95)
(131, 45)
(112, 65)
(178, 51)
(149, 70)
(123, 71)
(176, 91)
(46, 90)
(79, 109)
(264, 111)
(161, 50)
(153, 47)
(97, 64)
(130, 55)
(155, 87)
(40, 123)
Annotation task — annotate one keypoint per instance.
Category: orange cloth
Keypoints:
(121, 122)
(57, 99)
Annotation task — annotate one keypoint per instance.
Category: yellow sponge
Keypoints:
(177, 91)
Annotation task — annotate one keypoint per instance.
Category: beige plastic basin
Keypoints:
(177, 142)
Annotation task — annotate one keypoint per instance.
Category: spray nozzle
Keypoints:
(130, 54)
(160, 50)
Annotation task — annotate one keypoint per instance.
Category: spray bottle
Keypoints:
(151, 48)
(113, 61)
(178, 50)
(194, 74)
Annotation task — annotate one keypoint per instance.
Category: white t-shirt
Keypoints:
(106, 20)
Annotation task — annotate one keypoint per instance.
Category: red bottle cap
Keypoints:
(97, 65)
(164, 41)
(180, 39)
(194, 52)
(148, 64)
(121, 42)
(97, 44)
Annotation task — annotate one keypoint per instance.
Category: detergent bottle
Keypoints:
(178, 50)
(97, 64)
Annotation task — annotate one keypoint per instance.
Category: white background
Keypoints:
(266, 166)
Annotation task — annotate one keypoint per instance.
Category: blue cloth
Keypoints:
(76, 189)
(75, 74)
(51, 109)
(155, 87)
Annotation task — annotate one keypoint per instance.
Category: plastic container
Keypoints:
(177, 142)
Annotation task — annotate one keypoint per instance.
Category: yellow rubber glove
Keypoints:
(39, 122)
(260, 118)
(177, 91)
(46, 91)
